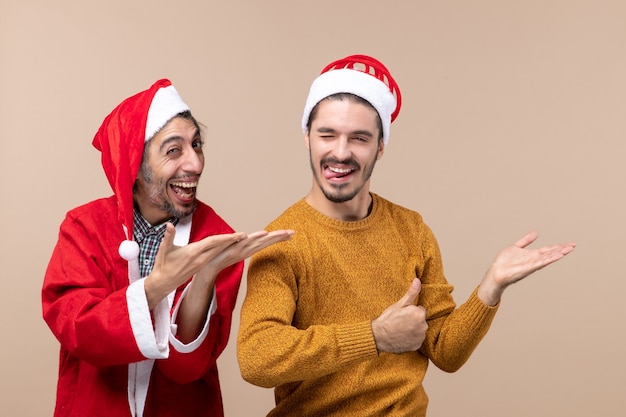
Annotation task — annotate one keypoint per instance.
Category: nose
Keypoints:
(194, 162)
(341, 150)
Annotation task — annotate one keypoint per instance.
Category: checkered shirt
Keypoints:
(148, 238)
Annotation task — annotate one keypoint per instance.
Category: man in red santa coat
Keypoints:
(141, 285)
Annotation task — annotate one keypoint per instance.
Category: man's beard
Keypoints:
(157, 194)
(338, 197)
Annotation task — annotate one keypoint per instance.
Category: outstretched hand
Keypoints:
(174, 265)
(193, 310)
(247, 246)
(515, 262)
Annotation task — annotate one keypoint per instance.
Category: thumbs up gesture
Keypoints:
(402, 326)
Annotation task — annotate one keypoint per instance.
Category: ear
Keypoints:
(307, 140)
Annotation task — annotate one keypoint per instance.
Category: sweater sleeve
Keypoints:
(271, 350)
(453, 333)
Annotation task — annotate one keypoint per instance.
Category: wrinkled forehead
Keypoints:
(181, 127)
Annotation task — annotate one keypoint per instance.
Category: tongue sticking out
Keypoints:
(337, 173)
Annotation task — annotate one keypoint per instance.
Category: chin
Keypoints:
(339, 198)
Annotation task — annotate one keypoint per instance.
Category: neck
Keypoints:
(150, 212)
(349, 211)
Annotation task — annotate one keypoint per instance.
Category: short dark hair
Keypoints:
(351, 97)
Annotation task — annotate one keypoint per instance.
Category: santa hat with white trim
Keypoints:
(362, 76)
(121, 139)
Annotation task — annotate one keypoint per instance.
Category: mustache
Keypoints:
(183, 177)
(347, 162)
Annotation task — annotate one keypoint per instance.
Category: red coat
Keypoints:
(87, 306)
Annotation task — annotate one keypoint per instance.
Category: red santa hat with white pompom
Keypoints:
(362, 76)
(121, 139)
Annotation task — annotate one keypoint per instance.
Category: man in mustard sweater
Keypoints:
(344, 318)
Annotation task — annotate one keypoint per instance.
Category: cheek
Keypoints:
(166, 170)
(321, 148)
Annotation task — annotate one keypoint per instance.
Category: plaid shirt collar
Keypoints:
(148, 238)
(143, 228)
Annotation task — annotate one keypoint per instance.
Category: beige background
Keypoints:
(513, 119)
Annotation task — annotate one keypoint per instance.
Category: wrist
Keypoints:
(377, 331)
(489, 292)
(154, 290)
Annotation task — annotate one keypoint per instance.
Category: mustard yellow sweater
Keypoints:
(306, 319)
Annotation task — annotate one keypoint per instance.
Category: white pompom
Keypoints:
(129, 250)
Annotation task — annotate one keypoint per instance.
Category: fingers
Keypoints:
(262, 239)
(279, 234)
(550, 254)
(220, 251)
(213, 242)
(561, 249)
(567, 248)
(402, 326)
(170, 234)
(258, 233)
(167, 242)
(529, 238)
(412, 294)
(284, 233)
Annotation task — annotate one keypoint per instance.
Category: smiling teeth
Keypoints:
(185, 184)
(340, 170)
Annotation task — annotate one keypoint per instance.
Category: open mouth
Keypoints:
(335, 173)
(185, 191)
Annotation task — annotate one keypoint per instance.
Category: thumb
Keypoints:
(412, 294)
(168, 238)
(166, 245)
(529, 238)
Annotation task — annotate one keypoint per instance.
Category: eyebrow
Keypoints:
(356, 132)
(177, 138)
(169, 140)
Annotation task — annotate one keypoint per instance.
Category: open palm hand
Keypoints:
(517, 261)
